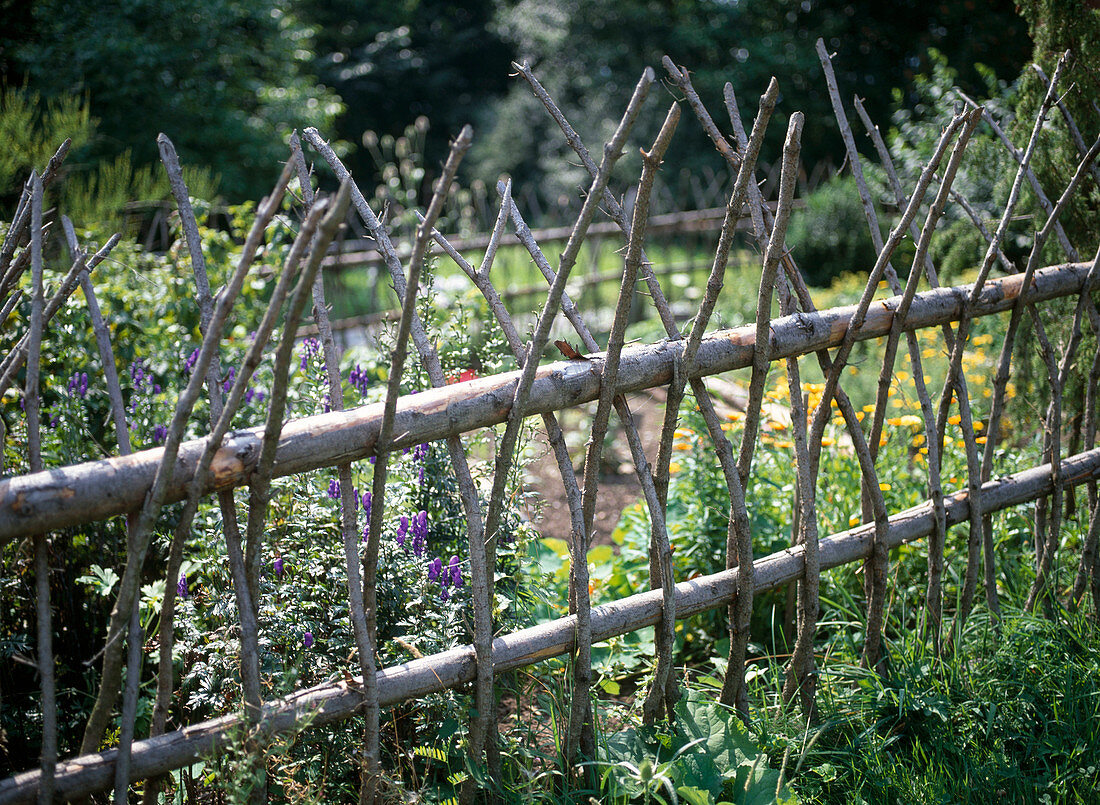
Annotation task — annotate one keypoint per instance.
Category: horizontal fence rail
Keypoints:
(333, 701)
(59, 498)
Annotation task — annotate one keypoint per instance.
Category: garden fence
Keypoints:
(140, 484)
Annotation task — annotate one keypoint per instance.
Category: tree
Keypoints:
(394, 62)
(591, 53)
(226, 80)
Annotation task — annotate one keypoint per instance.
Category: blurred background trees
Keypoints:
(228, 80)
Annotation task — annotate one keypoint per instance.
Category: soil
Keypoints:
(619, 486)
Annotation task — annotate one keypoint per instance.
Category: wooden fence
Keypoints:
(140, 484)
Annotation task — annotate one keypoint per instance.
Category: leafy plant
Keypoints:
(705, 756)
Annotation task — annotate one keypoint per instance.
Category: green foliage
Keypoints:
(1010, 718)
(1058, 26)
(591, 54)
(705, 756)
(148, 301)
(393, 63)
(227, 81)
(32, 128)
(97, 194)
(829, 237)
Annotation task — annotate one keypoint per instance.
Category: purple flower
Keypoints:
(78, 385)
(444, 594)
(307, 640)
(230, 376)
(278, 567)
(137, 373)
(160, 433)
(403, 530)
(456, 571)
(420, 532)
(181, 587)
(334, 489)
(253, 394)
(359, 380)
(434, 569)
(310, 348)
(366, 505)
(366, 531)
(192, 359)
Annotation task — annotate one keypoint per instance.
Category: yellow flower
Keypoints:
(954, 419)
(827, 441)
(918, 440)
(774, 425)
(894, 421)
(979, 425)
(981, 440)
(681, 446)
(929, 352)
(911, 421)
(727, 426)
(853, 521)
(890, 392)
(683, 433)
(860, 415)
(924, 451)
(784, 445)
(902, 376)
(919, 458)
(674, 466)
(869, 409)
(735, 416)
(885, 487)
(882, 440)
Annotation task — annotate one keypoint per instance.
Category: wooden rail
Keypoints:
(333, 701)
(66, 496)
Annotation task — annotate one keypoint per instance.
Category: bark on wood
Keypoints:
(333, 701)
(95, 490)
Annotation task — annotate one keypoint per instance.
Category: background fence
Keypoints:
(139, 485)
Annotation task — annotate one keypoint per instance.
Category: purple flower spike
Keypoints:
(307, 640)
(334, 489)
(181, 587)
(444, 594)
(278, 567)
(160, 433)
(189, 364)
(434, 569)
(359, 380)
(366, 505)
(366, 531)
(230, 376)
(456, 571)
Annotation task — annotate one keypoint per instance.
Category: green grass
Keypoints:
(1013, 717)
